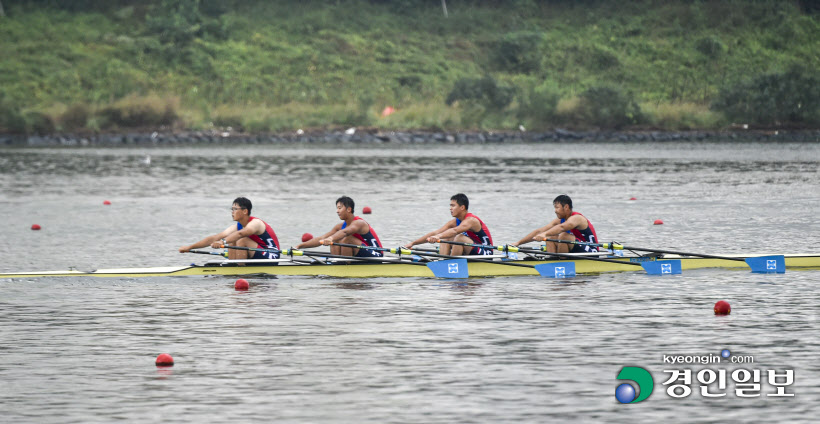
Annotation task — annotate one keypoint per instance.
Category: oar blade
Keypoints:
(767, 264)
(662, 267)
(450, 268)
(556, 270)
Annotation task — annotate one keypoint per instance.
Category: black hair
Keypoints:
(462, 200)
(563, 200)
(347, 202)
(243, 203)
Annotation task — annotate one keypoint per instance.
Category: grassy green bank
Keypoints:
(270, 66)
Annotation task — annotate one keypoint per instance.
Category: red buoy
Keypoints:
(164, 360)
(241, 284)
(306, 237)
(658, 222)
(35, 227)
(722, 307)
(366, 209)
(106, 202)
(633, 198)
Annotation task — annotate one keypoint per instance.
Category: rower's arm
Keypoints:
(357, 227)
(423, 239)
(254, 227)
(529, 237)
(207, 241)
(559, 228)
(469, 224)
(315, 241)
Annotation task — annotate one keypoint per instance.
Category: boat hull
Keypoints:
(370, 270)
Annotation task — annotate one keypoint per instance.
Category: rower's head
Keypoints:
(459, 204)
(345, 207)
(563, 206)
(241, 207)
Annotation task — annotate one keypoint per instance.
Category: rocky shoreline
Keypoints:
(365, 136)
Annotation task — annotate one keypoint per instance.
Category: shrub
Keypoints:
(410, 81)
(602, 59)
(228, 120)
(176, 22)
(516, 52)
(38, 123)
(75, 117)
(11, 120)
(680, 116)
(537, 104)
(608, 107)
(791, 97)
(710, 47)
(482, 91)
(139, 111)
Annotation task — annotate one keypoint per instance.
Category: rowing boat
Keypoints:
(395, 267)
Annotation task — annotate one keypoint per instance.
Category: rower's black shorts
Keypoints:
(266, 255)
(480, 251)
(580, 248)
(369, 253)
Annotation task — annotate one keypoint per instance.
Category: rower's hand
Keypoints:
(409, 245)
(433, 239)
(217, 244)
(539, 237)
(184, 249)
(325, 242)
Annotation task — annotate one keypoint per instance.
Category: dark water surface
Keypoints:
(298, 349)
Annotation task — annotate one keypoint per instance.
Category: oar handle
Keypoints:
(396, 250)
(500, 248)
(472, 258)
(358, 246)
(312, 253)
(207, 252)
(612, 246)
(286, 252)
(252, 249)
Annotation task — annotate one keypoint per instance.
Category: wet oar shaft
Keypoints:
(618, 246)
(508, 248)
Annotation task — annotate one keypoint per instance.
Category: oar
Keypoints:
(546, 270)
(313, 253)
(450, 267)
(568, 268)
(208, 252)
(759, 264)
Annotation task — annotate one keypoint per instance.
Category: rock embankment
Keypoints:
(396, 137)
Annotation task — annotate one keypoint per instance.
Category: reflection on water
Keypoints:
(380, 350)
(354, 285)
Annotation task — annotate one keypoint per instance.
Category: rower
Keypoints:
(352, 230)
(249, 232)
(569, 226)
(464, 228)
